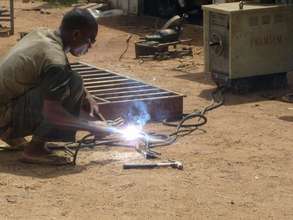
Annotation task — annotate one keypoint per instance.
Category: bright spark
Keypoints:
(131, 132)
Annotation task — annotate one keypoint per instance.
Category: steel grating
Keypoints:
(121, 96)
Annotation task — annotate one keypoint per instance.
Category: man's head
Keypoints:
(78, 31)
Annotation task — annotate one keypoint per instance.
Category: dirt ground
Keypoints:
(240, 168)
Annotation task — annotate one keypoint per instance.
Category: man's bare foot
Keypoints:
(17, 143)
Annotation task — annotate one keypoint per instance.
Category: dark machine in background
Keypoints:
(157, 45)
(170, 8)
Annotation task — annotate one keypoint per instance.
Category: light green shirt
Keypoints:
(20, 69)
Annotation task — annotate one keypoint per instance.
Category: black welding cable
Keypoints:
(183, 129)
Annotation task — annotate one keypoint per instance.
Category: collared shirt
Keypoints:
(21, 68)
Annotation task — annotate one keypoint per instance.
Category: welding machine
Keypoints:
(248, 44)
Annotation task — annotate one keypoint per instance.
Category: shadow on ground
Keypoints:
(232, 98)
(9, 163)
(286, 118)
(199, 77)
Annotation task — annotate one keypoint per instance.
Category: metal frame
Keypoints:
(8, 16)
(117, 94)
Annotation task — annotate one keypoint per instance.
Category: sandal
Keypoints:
(14, 144)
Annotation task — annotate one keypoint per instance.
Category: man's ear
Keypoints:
(76, 34)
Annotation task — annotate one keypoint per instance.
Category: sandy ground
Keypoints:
(240, 168)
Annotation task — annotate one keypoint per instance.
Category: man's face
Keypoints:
(81, 41)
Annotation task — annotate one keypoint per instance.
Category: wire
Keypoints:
(127, 46)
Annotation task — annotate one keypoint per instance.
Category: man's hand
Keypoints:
(90, 105)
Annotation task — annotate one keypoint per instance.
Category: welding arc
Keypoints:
(182, 129)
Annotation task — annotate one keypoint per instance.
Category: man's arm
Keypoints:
(55, 87)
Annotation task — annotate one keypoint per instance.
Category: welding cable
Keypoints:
(183, 129)
(88, 141)
(127, 46)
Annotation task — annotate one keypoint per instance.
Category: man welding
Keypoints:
(39, 93)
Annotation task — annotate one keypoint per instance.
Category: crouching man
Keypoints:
(39, 93)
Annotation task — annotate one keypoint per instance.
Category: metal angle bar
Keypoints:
(97, 91)
(102, 78)
(90, 71)
(105, 82)
(5, 19)
(112, 85)
(92, 75)
(4, 15)
(146, 99)
(128, 77)
(139, 96)
(76, 64)
(81, 65)
(144, 91)
(83, 68)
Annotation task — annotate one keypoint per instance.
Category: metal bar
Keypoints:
(74, 65)
(102, 78)
(139, 96)
(5, 19)
(4, 15)
(118, 89)
(104, 82)
(3, 10)
(115, 73)
(83, 68)
(114, 85)
(90, 71)
(129, 92)
(117, 94)
(12, 17)
(147, 99)
(89, 76)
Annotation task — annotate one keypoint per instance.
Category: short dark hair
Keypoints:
(79, 19)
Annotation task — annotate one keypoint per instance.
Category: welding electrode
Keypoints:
(175, 164)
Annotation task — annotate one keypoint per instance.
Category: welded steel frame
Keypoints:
(115, 101)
